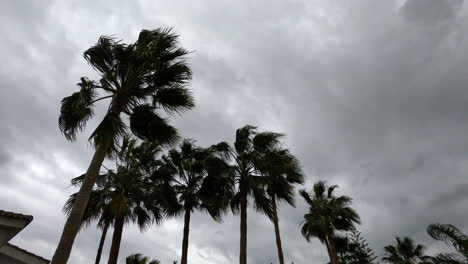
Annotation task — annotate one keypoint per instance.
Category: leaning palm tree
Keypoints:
(327, 215)
(202, 183)
(139, 79)
(283, 170)
(405, 252)
(453, 237)
(249, 149)
(139, 259)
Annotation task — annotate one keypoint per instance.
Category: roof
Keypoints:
(27, 218)
(28, 253)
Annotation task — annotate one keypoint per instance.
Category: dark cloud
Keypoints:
(431, 12)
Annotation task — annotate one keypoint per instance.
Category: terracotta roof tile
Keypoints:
(28, 253)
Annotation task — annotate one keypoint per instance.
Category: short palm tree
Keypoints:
(283, 170)
(139, 259)
(327, 215)
(128, 194)
(405, 252)
(203, 183)
(453, 237)
(97, 210)
(140, 80)
(250, 148)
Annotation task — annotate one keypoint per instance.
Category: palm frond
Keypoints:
(146, 124)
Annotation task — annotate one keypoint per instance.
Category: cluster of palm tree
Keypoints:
(146, 83)
(141, 81)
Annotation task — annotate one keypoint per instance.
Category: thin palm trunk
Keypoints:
(185, 240)
(243, 222)
(328, 250)
(101, 244)
(62, 253)
(277, 233)
(116, 239)
(332, 248)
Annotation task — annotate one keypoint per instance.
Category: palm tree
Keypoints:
(405, 252)
(131, 193)
(250, 148)
(140, 79)
(327, 214)
(283, 170)
(203, 183)
(453, 237)
(97, 209)
(139, 259)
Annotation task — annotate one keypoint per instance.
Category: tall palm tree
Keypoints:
(283, 170)
(327, 214)
(140, 79)
(139, 259)
(203, 183)
(128, 194)
(249, 149)
(453, 237)
(405, 252)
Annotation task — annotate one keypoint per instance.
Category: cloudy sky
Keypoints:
(373, 96)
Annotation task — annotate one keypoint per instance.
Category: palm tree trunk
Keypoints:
(328, 249)
(332, 252)
(243, 222)
(116, 238)
(101, 244)
(185, 240)
(277, 233)
(62, 253)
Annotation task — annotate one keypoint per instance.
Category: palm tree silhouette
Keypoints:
(203, 183)
(128, 194)
(140, 79)
(327, 214)
(405, 252)
(249, 149)
(283, 170)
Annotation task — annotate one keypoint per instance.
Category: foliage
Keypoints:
(405, 252)
(140, 79)
(130, 191)
(327, 212)
(250, 148)
(202, 178)
(139, 259)
(453, 237)
(354, 249)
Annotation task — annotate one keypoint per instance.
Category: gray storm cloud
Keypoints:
(369, 99)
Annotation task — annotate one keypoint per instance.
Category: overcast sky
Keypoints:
(372, 95)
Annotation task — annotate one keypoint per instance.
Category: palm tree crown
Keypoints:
(405, 252)
(203, 182)
(139, 259)
(327, 214)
